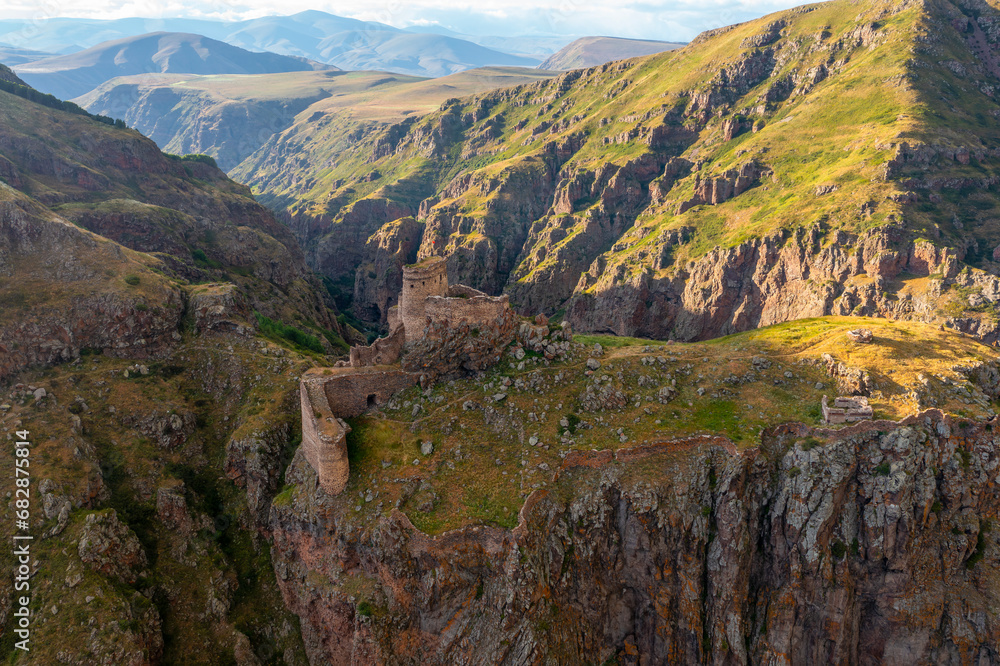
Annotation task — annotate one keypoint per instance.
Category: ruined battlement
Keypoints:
(473, 310)
(329, 395)
(436, 330)
(846, 409)
(420, 281)
(384, 351)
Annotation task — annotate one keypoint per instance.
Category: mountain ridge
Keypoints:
(592, 51)
(73, 75)
(603, 193)
(315, 35)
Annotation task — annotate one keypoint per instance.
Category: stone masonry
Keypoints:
(846, 410)
(420, 281)
(436, 330)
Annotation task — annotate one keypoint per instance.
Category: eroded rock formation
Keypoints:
(873, 547)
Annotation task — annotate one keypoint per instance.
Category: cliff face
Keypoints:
(868, 545)
(182, 217)
(668, 196)
(786, 276)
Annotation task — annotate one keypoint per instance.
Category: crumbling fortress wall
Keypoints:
(330, 395)
(436, 330)
(324, 436)
(383, 351)
(420, 281)
(846, 409)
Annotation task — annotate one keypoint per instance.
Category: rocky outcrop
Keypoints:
(785, 276)
(220, 308)
(253, 462)
(731, 183)
(336, 249)
(94, 307)
(108, 546)
(379, 277)
(872, 546)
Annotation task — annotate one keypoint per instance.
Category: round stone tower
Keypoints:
(428, 277)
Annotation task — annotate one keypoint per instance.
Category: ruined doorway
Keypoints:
(371, 400)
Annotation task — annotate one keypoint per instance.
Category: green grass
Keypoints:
(279, 332)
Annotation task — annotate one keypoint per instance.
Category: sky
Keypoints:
(678, 20)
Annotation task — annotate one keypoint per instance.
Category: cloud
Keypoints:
(676, 20)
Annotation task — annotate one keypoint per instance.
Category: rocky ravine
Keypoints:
(691, 195)
(871, 546)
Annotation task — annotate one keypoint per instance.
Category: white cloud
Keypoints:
(673, 20)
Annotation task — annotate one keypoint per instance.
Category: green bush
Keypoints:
(132, 280)
(838, 549)
(277, 330)
(202, 259)
(883, 469)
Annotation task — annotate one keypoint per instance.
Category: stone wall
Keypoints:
(473, 310)
(353, 391)
(462, 336)
(324, 436)
(328, 398)
(846, 410)
(428, 278)
(463, 291)
(383, 351)
(394, 318)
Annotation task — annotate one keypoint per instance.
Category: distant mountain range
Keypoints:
(12, 55)
(73, 75)
(335, 40)
(592, 51)
(231, 117)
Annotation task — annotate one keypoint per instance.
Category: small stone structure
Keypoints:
(329, 395)
(860, 335)
(846, 409)
(436, 330)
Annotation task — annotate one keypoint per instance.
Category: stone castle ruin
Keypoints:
(437, 330)
(846, 410)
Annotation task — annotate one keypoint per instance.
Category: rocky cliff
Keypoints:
(872, 544)
(71, 184)
(666, 196)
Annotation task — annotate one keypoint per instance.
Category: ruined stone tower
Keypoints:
(426, 278)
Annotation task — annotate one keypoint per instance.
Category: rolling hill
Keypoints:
(230, 117)
(11, 56)
(314, 35)
(76, 74)
(592, 51)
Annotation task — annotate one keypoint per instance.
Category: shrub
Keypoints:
(838, 549)
(201, 259)
(132, 280)
(936, 506)
(275, 329)
(810, 443)
(883, 469)
(365, 609)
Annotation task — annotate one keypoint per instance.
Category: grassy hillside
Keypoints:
(230, 116)
(858, 119)
(490, 453)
